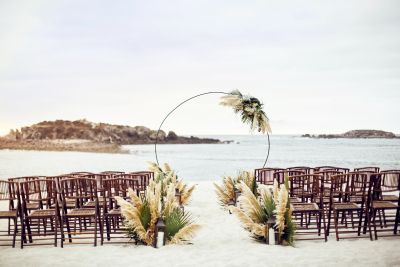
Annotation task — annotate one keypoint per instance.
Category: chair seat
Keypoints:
(304, 207)
(295, 200)
(390, 198)
(92, 204)
(345, 206)
(357, 199)
(384, 205)
(8, 214)
(324, 200)
(82, 213)
(32, 206)
(114, 212)
(70, 204)
(42, 213)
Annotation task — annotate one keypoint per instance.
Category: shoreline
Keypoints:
(79, 145)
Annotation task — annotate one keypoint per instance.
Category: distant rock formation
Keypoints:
(99, 132)
(82, 135)
(356, 134)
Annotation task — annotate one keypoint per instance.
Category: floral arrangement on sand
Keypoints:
(167, 176)
(226, 191)
(271, 203)
(250, 110)
(142, 212)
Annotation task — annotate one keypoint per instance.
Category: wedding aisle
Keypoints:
(220, 242)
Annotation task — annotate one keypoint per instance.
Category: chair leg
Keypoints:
(68, 229)
(328, 228)
(374, 223)
(23, 237)
(15, 231)
(55, 230)
(28, 227)
(360, 222)
(62, 232)
(101, 229)
(9, 226)
(324, 224)
(108, 229)
(95, 231)
(397, 220)
(336, 218)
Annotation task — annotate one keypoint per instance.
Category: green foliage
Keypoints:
(290, 229)
(268, 206)
(175, 221)
(254, 186)
(145, 215)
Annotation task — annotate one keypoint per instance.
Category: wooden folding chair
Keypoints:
(309, 213)
(112, 217)
(86, 221)
(350, 197)
(7, 194)
(39, 224)
(386, 199)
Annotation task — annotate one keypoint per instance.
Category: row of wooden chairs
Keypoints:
(74, 206)
(355, 202)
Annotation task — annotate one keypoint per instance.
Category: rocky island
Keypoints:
(82, 135)
(356, 134)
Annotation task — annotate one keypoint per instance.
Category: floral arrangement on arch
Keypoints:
(250, 110)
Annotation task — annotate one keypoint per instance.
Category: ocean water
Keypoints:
(211, 161)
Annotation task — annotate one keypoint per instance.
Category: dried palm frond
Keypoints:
(281, 208)
(250, 204)
(185, 234)
(137, 219)
(257, 229)
(250, 180)
(170, 202)
(225, 192)
(187, 194)
(223, 197)
(166, 176)
(136, 200)
(233, 99)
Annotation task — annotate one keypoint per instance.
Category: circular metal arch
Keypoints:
(187, 100)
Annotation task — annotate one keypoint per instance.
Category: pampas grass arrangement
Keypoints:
(159, 201)
(167, 176)
(254, 211)
(250, 110)
(226, 191)
(142, 213)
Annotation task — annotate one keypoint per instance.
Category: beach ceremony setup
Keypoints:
(199, 133)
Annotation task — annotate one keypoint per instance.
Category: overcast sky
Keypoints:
(319, 67)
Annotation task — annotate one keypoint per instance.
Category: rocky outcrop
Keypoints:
(356, 134)
(85, 136)
(99, 132)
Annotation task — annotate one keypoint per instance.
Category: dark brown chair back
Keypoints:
(81, 190)
(266, 175)
(367, 169)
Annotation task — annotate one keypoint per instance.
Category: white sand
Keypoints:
(221, 242)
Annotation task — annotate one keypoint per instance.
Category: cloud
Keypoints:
(319, 67)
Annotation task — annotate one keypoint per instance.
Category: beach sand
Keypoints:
(221, 242)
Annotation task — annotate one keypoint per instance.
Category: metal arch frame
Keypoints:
(187, 100)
